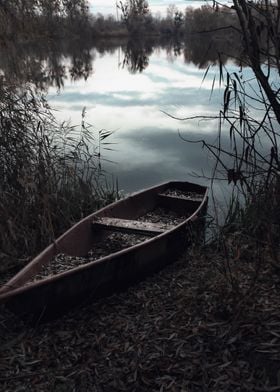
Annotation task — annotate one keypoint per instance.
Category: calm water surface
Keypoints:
(148, 148)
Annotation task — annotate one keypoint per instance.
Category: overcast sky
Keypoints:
(109, 6)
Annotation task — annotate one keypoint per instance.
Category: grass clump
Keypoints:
(50, 175)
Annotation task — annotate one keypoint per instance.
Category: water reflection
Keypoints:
(50, 63)
(126, 87)
(45, 64)
(202, 50)
(136, 56)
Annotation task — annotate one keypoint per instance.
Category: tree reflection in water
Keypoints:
(44, 64)
(48, 63)
(136, 56)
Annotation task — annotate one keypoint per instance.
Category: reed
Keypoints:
(246, 155)
(50, 174)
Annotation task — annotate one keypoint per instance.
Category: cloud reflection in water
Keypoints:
(148, 148)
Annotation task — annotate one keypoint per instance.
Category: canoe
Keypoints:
(140, 234)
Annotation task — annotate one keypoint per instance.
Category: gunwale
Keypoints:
(17, 286)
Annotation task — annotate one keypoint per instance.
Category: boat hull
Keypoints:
(48, 298)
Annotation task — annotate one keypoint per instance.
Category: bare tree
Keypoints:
(135, 14)
(250, 120)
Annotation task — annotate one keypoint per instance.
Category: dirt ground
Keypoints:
(185, 329)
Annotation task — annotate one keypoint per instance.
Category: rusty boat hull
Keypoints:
(52, 296)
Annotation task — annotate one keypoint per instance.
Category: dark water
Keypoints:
(130, 88)
(134, 103)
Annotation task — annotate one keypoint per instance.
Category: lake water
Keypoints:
(139, 91)
(134, 104)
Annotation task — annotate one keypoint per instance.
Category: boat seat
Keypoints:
(179, 204)
(196, 198)
(130, 226)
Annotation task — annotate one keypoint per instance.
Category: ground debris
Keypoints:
(108, 244)
(112, 243)
(183, 194)
(180, 330)
(163, 216)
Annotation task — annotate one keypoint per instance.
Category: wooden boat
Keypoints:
(159, 245)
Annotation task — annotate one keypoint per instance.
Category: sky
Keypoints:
(109, 6)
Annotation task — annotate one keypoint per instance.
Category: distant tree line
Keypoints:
(135, 19)
(28, 19)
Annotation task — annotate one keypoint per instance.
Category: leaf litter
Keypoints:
(182, 329)
(108, 244)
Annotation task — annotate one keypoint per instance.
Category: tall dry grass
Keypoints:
(50, 174)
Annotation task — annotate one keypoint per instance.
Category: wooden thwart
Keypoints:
(180, 205)
(131, 226)
(195, 198)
